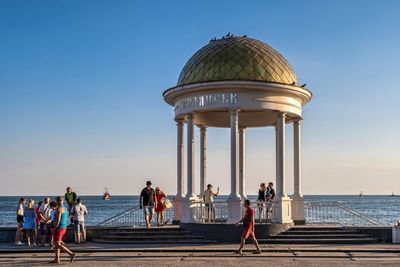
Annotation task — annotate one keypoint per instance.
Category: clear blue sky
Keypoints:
(81, 87)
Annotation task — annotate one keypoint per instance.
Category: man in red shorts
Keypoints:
(248, 232)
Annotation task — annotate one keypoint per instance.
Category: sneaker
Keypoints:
(19, 243)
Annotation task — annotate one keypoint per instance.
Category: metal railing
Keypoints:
(328, 212)
(133, 217)
(322, 212)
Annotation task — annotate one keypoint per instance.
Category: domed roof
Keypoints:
(237, 58)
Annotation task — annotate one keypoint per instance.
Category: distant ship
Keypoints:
(106, 195)
(361, 194)
(393, 195)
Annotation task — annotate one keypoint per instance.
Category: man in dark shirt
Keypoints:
(270, 197)
(147, 200)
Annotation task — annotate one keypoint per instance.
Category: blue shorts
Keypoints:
(79, 226)
(44, 228)
(148, 210)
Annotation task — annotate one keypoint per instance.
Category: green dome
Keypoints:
(237, 58)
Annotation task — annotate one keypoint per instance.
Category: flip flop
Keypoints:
(71, 260)
(54, 261)
(238, 252)
(257, 252)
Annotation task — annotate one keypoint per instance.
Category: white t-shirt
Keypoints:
(208, 196)
(79, 211)
(46, 211)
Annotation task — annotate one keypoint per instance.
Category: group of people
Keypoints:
(266, 194)
(50, 219)
(154, 200)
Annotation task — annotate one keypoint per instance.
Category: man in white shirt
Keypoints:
(44, 214)
(208, 198)
(79, 211)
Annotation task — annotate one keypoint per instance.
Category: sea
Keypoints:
(381, 208)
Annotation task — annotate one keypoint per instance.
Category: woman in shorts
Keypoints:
(20, 220)
(29, 224)
(261, 199)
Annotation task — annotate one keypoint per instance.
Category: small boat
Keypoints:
(106, 195)
(361, 194)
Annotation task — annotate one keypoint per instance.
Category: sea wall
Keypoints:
(219, 232)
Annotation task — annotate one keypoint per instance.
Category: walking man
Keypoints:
(147, 201)
(208, 198)
(78, 212)
(248, 232)
(60, 228)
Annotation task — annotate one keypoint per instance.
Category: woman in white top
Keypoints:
(20, 221)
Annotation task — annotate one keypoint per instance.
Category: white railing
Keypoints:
(262, 211)
(217, 212)
(327, 212)
(134, 217)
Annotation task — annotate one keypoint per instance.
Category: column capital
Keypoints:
(281, 114)
(234, 111)
(202, 127)
(179, 121)
(297, 120)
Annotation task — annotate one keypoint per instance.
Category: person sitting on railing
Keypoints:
(147, 201)
(249, 227)
(208, 198)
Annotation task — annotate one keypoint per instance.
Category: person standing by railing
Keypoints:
(208, 198)
(248, 224)
(147, 201)
(270, 194)
(261, 199)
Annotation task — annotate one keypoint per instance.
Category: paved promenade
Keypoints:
(93, 254)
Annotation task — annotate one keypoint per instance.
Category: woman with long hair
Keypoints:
(160, 209)
(20, 220)
(29, 224)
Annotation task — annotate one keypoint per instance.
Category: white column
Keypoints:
(242, 163)
(203, 162)
(281, 209)
(190, 157)
(298, 199)
(178, 200)
(180, 155)
(234, 201)
(297, 158)
(189, 209)
(280, 172)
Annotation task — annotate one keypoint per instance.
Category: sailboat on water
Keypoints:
(106, 195)
(361, 194)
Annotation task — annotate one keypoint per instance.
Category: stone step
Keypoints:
(188, 241)
(320, 236)
(320, 241)
(317, 228)
(149, 233)
(142, 237)
(319, 232)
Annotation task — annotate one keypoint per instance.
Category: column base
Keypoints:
(298, 209)
(178, 208)
(190, 207)
(234, 210)
(282, 210)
